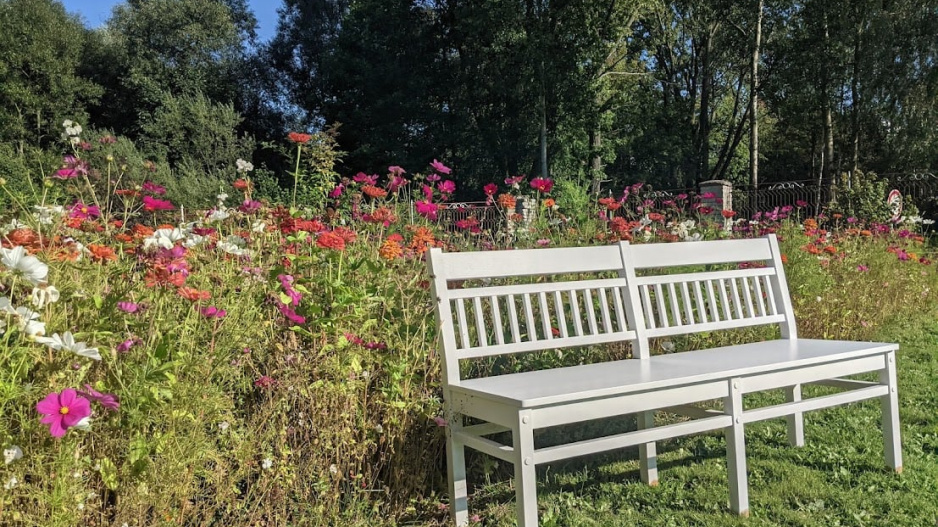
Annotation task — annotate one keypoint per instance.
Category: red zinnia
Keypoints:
(330, 240)
(298, 138)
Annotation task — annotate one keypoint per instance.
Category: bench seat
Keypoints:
(592, 381)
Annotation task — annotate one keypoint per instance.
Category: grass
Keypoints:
(838, 479)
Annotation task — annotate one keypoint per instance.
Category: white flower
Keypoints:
(258, 227)
(44, 294)
(17, 261)
(267, 463)
(81, 506)
(928, 222)
(12, 226)
(67, 342)
(12, 482)
(12, 454)
(192, 240)
(244, 166)
(333, 469)
(223, 426)
(28, 322)
(165, 238)
(217, 215)
(84, 424)
(221, 197)
(67, 123)
(234, 245)
(47, 215)
(667, 346)
(6, 306)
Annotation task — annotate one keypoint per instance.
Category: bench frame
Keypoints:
(637, 305)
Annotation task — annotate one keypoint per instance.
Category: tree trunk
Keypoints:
(828, 121)
(596, 162)
(855, 99)
(754, 111)
(703, 145)
(545, 172)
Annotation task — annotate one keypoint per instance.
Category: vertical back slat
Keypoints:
(675, 309)
(701, 307)
(688, 308)
(529, 318)
(513, 318)
(646, 304)
(497, 319)
(561, 314)
(737, 305)
(747, 292)
(590, 311)
(577, 317)
(463, 326)
(725, 300)
(604, 310)
(620, 308)
(545, 315)
(712, 301)
(773, 307)
(662, 311)
(760, 298)
(481, 331)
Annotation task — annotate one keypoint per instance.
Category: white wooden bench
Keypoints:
(631, 293)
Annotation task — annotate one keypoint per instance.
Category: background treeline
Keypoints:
(602, 92)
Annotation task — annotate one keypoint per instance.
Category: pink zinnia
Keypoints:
(396, 183)
(213, 312)
(440, 167)
(128, 307)
(250, 206)
(107, 400)
(153, 188)
(433, 178)
(151, 204)
(62, 411)
(490, 189)
(337, 191)
(396, 170)
(427, 209)
(365, 179)
(291, 315)
(427, 192)
(542, 184)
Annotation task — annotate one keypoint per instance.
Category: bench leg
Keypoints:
(525, 474)
(736, 451)
(456, 472)
(796, 420)
(890, 407)
(647, 453)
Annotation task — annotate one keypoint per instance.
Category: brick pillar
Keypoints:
(722, 199)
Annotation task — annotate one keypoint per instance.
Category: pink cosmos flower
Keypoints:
(125, 346)
(439, 421)
(490, 189)
(433, 178)
(365, 179)
(542, 184)
(291, 315)
(337, 191)
(427, 209)
(447, 187)
(213, 312)
(427, 192)
(72, 167)
(862, 268)
(153, 188)
(107, 400)
(151, 204)
(395, 170)
(83, 212)
(128, 307)
(62, 411)
(287, 282)
(440, 167)
(512, 181)
(396, 183)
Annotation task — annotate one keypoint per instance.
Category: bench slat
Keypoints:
(652, 255)
(561, 314)
(527, 346)
(714, 326)
(704, 275)
(545, 287)
(527, 262)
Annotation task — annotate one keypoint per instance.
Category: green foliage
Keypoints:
(864, 198)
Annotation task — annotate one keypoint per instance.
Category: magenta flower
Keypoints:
(395, 170)
(862, 268)
(107, 400)
(151, 204)
(250, 206)
(265, 381)
(62, 411)
(287, 282)
(291, 315)
(396, 183)
(337, 191)
(213, 312)
(365, 179)
(84, 212)
(440, 167)
(427, 192)
(447, 187)
(801, 203)
(512, 181)
(125, 346)
(427, 209)
(72, 167)
(433, 178)
(153, 188)
(542, 184)
(128, 307)
(490, 189)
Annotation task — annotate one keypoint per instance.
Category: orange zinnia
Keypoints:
(390, 250)
(298, 138)
(374, 192)
(192, 294)
(549, 203)
(507, 201)
(102, 253)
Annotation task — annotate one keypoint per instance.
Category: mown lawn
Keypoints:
(838, 479)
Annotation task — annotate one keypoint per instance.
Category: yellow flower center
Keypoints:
(63, 410)
(84, 210)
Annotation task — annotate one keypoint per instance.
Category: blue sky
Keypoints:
(96, 12)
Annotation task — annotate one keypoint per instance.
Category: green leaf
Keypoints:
(108, 473)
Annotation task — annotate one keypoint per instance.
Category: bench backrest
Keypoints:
(572, 297)
(582, 296)
(677, 303)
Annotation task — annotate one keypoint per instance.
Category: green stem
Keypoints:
(296, 172)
